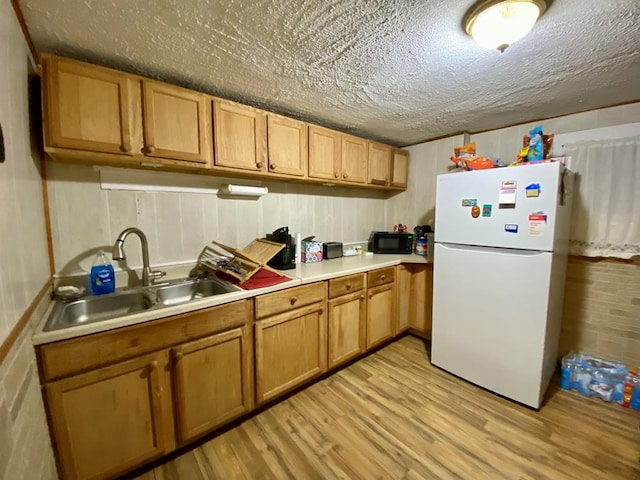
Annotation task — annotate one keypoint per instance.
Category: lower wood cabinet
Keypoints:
(381, 306)
(121, 398)
(112, 419)
(415, 292)
(290, 349)
(290, 339)
(346, 327)
(212, 382)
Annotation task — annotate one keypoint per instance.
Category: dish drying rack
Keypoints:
(240, 264)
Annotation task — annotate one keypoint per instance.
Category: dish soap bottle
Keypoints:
(102, 276)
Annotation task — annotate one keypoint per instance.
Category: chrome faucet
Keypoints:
(148, 276)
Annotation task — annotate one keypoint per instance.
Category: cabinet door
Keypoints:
(176, 124)
(240, 136)
(290, 349)
(421, 298)
(325, 147)
(379, 163)
(399, 168)
(212, 379)
(406, 298)
(287, 142)
(113, 419)
(381, 313)
(355, 154)
(86, 107)
(346, 328)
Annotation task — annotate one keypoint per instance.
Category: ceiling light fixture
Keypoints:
(499, 23)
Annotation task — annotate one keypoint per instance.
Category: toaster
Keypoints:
(331, 250)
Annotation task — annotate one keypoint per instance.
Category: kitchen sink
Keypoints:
(183, 292)
(95, 309)
(123, 302)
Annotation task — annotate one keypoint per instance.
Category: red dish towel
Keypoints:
(262, 278)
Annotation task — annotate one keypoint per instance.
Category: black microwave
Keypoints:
(391, 242)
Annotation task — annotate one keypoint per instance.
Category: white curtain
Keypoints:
(606, 208)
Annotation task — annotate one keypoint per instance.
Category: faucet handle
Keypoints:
(155, 274)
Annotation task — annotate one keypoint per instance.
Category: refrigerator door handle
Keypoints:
(504, 251)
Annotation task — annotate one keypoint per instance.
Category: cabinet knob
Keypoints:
(293, 300)
(153, 365)
(149, 149)
(371, 295)
(178, 355)
(382, 278)
(259, 165)
(337, 175)
(361, 297)
(272, 166)
(348, 286)
(344, 175)
(125, 147)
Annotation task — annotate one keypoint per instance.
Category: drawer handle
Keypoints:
(293, 300)
(348, 286)
(259, 165)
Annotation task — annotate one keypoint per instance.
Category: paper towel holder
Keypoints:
(231, 191)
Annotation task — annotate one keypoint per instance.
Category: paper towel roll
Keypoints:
(298, 248)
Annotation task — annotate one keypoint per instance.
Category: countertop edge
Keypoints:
(303, 274)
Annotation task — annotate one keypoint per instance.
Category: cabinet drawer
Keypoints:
(381, 277)
(343, 285)
(278, 302)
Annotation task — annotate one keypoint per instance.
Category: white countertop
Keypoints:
(302, 274)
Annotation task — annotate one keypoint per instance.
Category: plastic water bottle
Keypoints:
(102, 275)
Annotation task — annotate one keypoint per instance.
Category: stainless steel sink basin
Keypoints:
(86, 310)
(95, 309)
(178, 293)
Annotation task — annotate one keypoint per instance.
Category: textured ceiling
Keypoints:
(401, 71)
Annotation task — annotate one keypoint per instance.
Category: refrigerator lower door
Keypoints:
(491, 318)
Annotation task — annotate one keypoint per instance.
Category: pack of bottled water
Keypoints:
(596, 377)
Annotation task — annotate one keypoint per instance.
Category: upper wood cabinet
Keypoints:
(176, 124)
(325, 153)
(112, 419)
(379, 163)
(287, 144)
(212, 381)
(96, 115)
(355, 155)
(240, 136)
(87, 107)
(399, 168)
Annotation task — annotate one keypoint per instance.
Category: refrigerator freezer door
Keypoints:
(490, 316)
(505, 217)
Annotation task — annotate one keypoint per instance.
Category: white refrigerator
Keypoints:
(500, 261)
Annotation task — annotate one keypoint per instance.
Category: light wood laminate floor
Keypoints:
(394, 416)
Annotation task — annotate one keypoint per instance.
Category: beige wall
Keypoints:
(25, 449)
(179, 225)
(602, 309)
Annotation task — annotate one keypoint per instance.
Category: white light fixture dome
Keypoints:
(499, 23)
